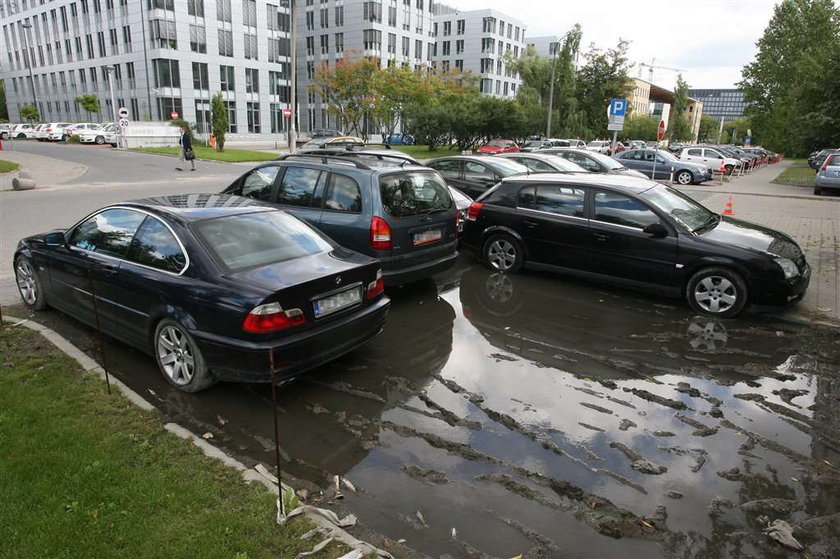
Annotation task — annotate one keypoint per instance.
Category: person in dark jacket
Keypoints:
(186, 150)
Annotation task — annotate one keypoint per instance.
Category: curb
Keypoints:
(248, 474)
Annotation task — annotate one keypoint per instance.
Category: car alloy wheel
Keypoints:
(176, 355)
(684, 177)
(100, 140)
(715, 294)
(27, 282)
(502, 253)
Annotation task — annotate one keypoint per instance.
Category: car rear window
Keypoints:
(246, 241)
(413, 193)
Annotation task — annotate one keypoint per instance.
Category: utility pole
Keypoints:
(293, 77)
(28, 26)
(551, 91)
(720, 131)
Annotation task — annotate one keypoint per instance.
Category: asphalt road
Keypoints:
(112, 176)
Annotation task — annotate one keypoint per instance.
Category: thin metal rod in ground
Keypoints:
(99, 336)
(276, 429)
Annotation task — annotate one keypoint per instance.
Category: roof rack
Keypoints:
(325, 157)
(346, 152)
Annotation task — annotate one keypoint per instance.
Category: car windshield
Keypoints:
(412, 193)
(506, 167)
(683, 209)
(605, 160)
(497, 143)
(247, 241)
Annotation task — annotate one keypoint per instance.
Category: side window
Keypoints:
(108, 232)
(561, 200)
(477, 172)
(621, 210)
(298, 186)
(343, 195)
(538, 166)
(695, 151)
(156, 246)
(448, 169)
(527, 198)
(712, 154)
(590, 164)
(649, 156)
(258, 183)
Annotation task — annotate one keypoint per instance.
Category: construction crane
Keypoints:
(653, 65)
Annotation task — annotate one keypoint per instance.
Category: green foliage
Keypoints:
(89, 103)
(181, 123)
(219, 120)
(4, 110)
(793, 83)
(709, 127)
(8, 166)
(74, 139)
(679, 128)
(603, 77)
(797, 176)
(228, 155)
(30, 112)
(640, 127)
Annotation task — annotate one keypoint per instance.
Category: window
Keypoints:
(372, 11)
(325, 44)
(339, 43)
(446, 51)
(195, 8)
(249, 13)
(561, 200)
(310, 46)
(298, 186)
(621, 210)
(200, 76)
(198, 39)
(447, 28)
(253, 114)
(225, 42)
(164, 33)
(126, 38)
(459, 65)
(448, 169)
(392, 43)
(223, 11)
(325, 18)
(413, 193)
(697, 152)
(166, 73)
(406, 46)
(251, 51)
(462, 25)
(372, 39)
(339, 15)
(343, 195)
(459, 46)
(478, 172)
(276, 87)
(226, 78)
(231, 110)
(258, 183)
(155, 246)
(108, 232)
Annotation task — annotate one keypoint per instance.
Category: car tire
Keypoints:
(29, 285)
(21, 136)
(717, 292)
(179, 359)
(503, 253)
(99, 140)
(684, 178)
(817, 191)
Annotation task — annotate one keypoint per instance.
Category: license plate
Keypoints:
(429, 236)
(837, 173)
(337, 302)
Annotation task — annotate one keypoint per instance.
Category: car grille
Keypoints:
(800, 262)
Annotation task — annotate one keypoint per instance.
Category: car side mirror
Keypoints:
(655, 230)
(55, 238)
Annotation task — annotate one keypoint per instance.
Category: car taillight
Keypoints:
(459, 220)
(474, 210)
(271, 317)
(376, 287)
(380, 234)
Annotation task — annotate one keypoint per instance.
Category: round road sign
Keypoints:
(173, 114)
(287, 113)
(123, 112)
(660, 131)
(123, 123)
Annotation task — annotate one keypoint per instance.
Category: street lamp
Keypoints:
(28, 26)
(110, 70)
(551, 85)
(293, 80)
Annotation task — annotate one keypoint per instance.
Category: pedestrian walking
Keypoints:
(187, 153)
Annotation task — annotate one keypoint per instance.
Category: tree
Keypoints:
(29, 112)
(603, 77)
(219, 120)
(181, 123)
(679, 128)
(4, 111)
(640, 127)
(709, 127)
(349, 89)
(89, 103)
(792, 86)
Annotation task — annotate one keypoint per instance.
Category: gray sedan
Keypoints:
(683, 172)
(828, 175)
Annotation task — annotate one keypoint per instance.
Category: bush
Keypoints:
(74, 139)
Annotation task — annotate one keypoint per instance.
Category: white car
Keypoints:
(22, 131)
(40, 132)
(574, 143)
(79, 127)
(105, 134)
(54, 132)
(710, 157)
(601, 146)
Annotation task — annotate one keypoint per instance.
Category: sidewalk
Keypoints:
(813, 221)
(46, 171)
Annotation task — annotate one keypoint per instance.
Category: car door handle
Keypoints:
(600, 237)
(110, 269)
(529, 224)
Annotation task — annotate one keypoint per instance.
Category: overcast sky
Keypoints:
(711, 40)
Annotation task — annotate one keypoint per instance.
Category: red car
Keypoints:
(498, 146)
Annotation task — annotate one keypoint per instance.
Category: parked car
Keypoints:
(711, 157)
(79, 127)
(325, 133)
(400, 213)
(399, 139)
(817, 160)
(332, 142)
(54, 131)
(544, 163)
(594, 162)
(6, 131)
(371, 156)
(269, 285)
(667, 166)
(636, 144)
(40, 132)
(104, 134)
(828, 175)
(636, 233)
(498, 145)
(575, 143)
(535, 145)
(463, 203)
(474, 174)
(600, 146)
(21, 131)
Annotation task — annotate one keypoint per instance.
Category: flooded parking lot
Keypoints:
(534, 415)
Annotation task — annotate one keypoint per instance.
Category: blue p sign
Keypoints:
(618, 107)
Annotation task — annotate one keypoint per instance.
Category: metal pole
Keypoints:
(614, 140)
(276, 429)
(293, 77)
(551, 91)
(720, 130)
(99, 329)
(655, 157)
(146, 58)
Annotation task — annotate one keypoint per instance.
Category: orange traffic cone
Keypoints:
(727, 210)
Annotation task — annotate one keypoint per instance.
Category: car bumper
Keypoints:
(780, 292)
(395, 272)
(242, 361)
(827, 182)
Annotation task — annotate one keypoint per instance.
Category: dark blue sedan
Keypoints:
(215, 287)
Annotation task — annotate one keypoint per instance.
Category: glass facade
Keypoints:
(717, 103)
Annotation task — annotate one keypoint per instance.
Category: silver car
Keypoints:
(828, 175)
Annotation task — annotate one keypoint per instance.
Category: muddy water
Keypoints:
(553, 419)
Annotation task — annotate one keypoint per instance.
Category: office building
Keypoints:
(543, 46)
(728, 104)
(477, 41)
(646, 98)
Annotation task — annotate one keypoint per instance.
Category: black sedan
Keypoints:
(215, 287)
(474, 174)
(636, 233)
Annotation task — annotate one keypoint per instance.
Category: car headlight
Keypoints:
(788, 266)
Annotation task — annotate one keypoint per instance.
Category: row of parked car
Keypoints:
(826, 163)
(88, 132)
(286, 268)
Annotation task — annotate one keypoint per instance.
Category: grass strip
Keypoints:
(797, 176)
(228, 156)
(87, 474)
(8, 166)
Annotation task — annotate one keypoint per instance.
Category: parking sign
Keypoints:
(618, 107)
